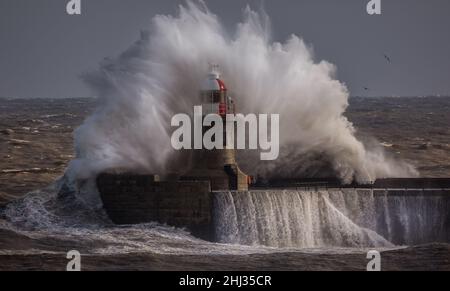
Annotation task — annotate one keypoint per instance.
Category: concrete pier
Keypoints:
(133, 199)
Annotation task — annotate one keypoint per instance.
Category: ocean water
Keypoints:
(253, 222)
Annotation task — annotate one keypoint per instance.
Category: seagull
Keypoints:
(387, 58)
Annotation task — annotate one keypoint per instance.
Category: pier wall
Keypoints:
(133, 199)
(402, 210)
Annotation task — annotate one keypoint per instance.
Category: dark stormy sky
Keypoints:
(43, 50)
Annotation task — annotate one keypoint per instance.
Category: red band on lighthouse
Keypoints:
(221, 85)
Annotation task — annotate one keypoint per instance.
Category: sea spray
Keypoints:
(159, 76)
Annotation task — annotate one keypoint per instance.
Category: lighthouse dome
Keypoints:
(213, 81)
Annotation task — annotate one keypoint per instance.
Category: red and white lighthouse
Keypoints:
(215, 99)
(217, 165)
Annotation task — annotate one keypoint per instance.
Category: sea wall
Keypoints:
(412, 216)
(332, 217)
(133, 199)
(305, 217)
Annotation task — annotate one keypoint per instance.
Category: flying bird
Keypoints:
(366, 89)
(387, 58)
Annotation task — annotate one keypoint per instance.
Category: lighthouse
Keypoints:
(217, 165)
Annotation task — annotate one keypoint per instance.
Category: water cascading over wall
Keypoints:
(339, 218)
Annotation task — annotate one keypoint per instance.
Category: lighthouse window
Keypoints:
(212, 97)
